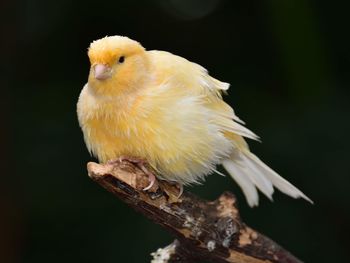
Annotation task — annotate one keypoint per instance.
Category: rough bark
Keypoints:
(210, 231)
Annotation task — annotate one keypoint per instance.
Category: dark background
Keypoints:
(288, 65)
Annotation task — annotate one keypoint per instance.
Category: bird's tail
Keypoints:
(251, 174)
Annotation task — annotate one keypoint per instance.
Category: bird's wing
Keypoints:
(193, 79)
(230, 123)
(177, 78)
(244, 167)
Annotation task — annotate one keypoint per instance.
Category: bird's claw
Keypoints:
(151, 179)
(140, 163)
(181, 190)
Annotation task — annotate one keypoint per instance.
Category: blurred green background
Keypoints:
(288, 65)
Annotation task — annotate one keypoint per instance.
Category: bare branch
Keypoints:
(204, 230)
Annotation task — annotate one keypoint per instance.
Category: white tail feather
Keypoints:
(243, 181)
(279, 182)
(256, 174)
(261, 182)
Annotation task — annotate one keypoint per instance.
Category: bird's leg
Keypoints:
(141, 164)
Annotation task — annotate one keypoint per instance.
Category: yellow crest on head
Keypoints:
(106, 50)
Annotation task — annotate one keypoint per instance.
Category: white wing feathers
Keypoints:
(237, 128)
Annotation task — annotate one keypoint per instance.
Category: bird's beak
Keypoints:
(102, 71)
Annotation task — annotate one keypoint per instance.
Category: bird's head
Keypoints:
(118, 64)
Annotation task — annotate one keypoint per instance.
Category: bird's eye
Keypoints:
(121, 59)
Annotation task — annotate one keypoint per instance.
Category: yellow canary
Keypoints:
(160, 107)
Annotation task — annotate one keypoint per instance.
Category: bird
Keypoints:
(154, 107)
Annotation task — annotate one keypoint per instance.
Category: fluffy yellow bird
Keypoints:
(159, 107)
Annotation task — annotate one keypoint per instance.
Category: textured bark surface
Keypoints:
(210, 231)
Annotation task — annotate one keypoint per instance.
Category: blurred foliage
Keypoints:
(288, 65)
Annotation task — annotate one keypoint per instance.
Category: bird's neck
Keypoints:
(113, 105)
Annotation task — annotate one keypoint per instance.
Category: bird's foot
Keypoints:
(141, 164)
(179, 186)
(174, 191)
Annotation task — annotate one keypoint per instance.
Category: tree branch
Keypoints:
(205, 230)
